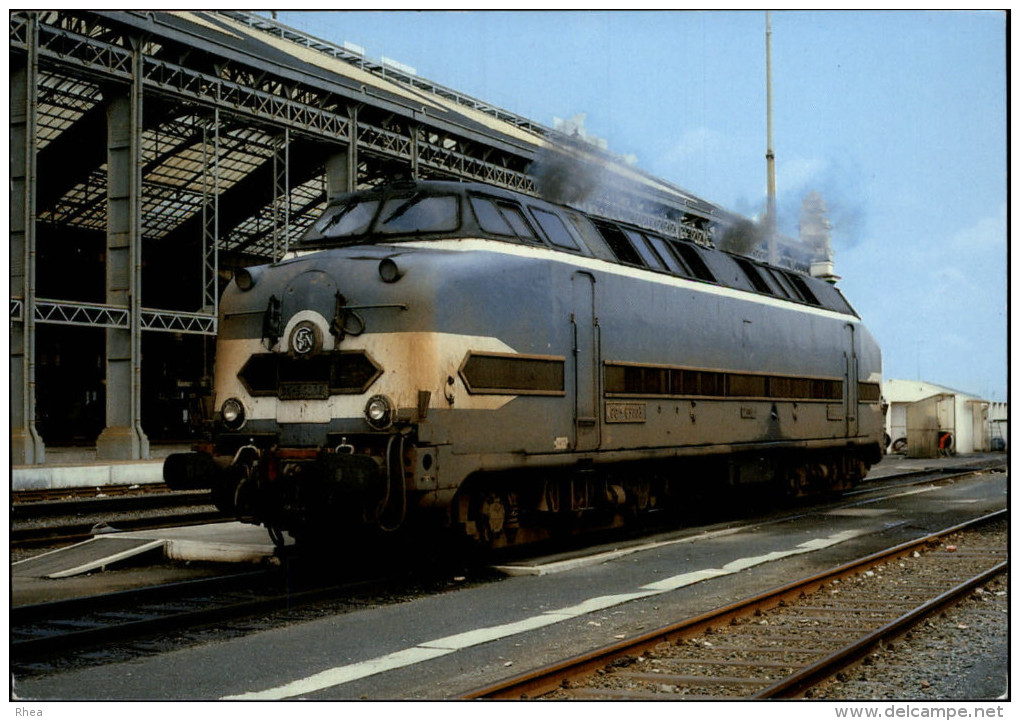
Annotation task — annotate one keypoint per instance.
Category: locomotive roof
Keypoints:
(437, 209)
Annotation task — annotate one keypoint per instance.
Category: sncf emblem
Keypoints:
(305, 339)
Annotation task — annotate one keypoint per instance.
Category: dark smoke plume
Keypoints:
(742, 237)
(566, 176)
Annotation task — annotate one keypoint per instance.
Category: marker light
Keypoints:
(379, 412)
(232, 413)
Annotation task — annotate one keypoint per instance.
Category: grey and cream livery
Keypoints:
(439, 354)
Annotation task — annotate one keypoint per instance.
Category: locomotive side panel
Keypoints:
(711, 369)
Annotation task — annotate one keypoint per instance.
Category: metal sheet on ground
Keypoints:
(84, 557)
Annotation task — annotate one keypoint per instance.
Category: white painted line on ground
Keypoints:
(545, 569)
(449, 644)
(820, 543)
(567, 565)
(684, 579)
(913, 492)
(344, 674)
(598, 604)
(492, 633)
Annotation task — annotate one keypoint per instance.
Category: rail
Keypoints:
(568, 678)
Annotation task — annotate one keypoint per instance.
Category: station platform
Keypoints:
(892, 465)
(80, 468)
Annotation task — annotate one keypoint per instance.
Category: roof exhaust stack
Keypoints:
(816, 234)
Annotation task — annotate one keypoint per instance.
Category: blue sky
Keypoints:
(897, 118)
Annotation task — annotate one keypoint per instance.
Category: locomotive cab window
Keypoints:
(518, 222)
(419, 213)
(751, 273)
(591, 237)
(803, 289)
(350, 218)
(554, 229)
(489, 218)
(780, 281)
(670, 260)
(648, 254)
(690, 257)
(501, 217)
(619, 243)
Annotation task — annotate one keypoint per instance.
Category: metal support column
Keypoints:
(26, 444)
(211, 217)
(281, 197)
(342, 166)
(414, 130)
(123, 438)
(210, 236)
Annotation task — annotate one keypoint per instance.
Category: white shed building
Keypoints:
(921, 414)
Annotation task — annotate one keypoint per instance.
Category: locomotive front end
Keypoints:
(304, 442)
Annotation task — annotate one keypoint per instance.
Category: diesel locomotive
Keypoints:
(440, 354)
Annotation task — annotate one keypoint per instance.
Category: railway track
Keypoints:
(782, 642)
(917, 477)
(55, 517)
(30, 506)
(52, 631)
(36, 496)
(37, 536)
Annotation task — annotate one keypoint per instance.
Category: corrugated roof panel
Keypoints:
(84, 200)
(255, 235)
(164, 209)
(61, 102)
(327, 62)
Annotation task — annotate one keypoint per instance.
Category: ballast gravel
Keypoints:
(961, 654)
(957, 654)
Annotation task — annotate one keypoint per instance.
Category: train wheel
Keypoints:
(797, 482)
(492, 515)
(641, 496)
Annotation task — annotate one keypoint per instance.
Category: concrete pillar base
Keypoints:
(122, 443)
(27, 447)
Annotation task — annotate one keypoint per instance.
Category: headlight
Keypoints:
(246, 278)
(389, 271)
(379, 412)
(232, 413)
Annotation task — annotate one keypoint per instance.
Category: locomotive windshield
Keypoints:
(351, 218)
(410, 214)
(419, 213)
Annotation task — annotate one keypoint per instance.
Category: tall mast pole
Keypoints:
(770, 156)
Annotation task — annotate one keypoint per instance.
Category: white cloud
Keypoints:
(797, 174)
(696, 145)
(987, 234)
